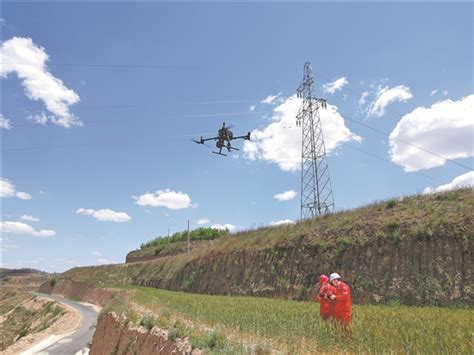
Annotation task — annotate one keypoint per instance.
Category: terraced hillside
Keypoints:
(415, 250)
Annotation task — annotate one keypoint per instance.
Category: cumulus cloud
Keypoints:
(30, 218)
(433, 92)
(464, 180)
(23, 228)
(202, 221)
(7, 189)
(105, 215)
(96, 253)
(285, 196)
(284, 221)
(229, 227)
(27, 60)
(446, 128)
(386, 96)
(280, 141)
(5, 123)
(336, 85)
(165, 198)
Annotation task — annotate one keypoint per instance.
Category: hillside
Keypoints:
(415, 250)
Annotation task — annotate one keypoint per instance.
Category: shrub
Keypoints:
(197, 234)
(147, 321)
(52, 282)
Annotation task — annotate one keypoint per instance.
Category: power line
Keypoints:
(224, 114)
(406, 142)
(112, 65)
(382, 159)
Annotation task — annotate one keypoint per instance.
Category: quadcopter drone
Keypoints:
(223, 139)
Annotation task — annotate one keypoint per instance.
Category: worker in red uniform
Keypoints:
(326, 306)
(342, 303)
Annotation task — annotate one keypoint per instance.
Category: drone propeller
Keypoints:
(202, 142)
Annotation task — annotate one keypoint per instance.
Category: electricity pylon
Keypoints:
(316, 191)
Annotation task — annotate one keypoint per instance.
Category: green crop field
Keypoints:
(296, 326)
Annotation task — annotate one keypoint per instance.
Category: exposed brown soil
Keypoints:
(114, 336)
(78, 291)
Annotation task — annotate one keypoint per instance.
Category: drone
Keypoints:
(224, 136)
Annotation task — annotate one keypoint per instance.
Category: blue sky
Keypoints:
(143, 79)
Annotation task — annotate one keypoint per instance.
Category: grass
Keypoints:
(297, 326)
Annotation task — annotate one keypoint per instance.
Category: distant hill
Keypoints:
(414, 250)
(4, 272)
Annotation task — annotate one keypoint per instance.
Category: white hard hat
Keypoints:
(334, 276)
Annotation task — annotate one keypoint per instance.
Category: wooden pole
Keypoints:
(189, 246)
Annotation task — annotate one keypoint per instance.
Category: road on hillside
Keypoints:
(78, 341)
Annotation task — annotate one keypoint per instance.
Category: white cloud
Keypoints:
(28, 217)
(446, 128)
(23, 228)
(165, 198)
(433, 92)
(3, 21)
(105, 215)
(464, 180)
(23, 195)
(7, 189)
(269, 99)
(96, 253)
(284, 221)
(285, 196)
(252, 108)
(445, 93)
(386, 96)
(363, 98)
(229, 227)
(5, 123)
(202, 221)
(332, 87)
(280, 141)
(22, 56)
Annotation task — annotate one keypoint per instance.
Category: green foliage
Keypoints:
(197, 234)
(179, 330)
(391, 203)
(52, 282)
(147, 321)
(211, 340)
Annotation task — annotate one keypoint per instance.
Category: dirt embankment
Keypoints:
(26, 319)
(115, 336)
(434, 271)
(77, 291)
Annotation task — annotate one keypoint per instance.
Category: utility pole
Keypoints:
(189, 246)
(316, 191)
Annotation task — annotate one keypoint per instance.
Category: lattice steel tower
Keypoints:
(316, 190)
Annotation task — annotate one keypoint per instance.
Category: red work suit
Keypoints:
(342, 304)
(326, 306)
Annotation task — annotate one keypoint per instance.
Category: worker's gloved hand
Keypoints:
(332, 297)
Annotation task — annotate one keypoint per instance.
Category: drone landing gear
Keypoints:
(219, 153)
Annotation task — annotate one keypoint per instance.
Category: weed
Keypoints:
(147, 321)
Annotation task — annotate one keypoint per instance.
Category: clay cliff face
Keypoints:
(434, 271)
(77, 291)
(114, 336)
